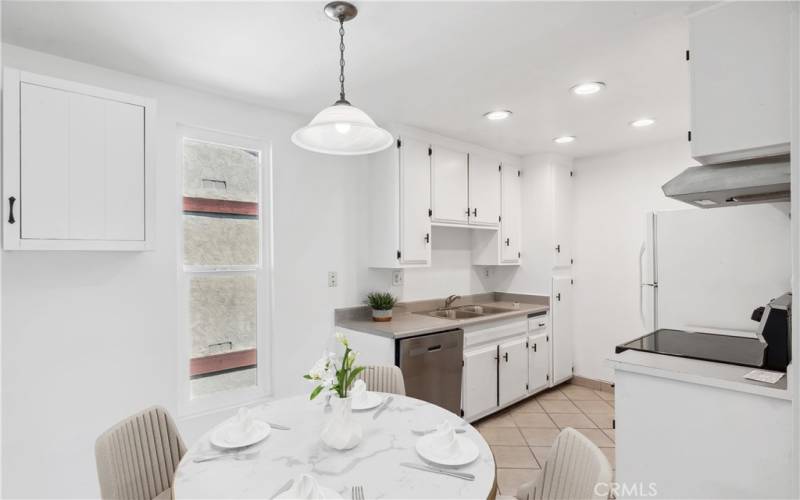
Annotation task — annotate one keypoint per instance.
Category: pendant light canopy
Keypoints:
(342, 129)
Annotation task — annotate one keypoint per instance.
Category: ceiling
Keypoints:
(434, 65)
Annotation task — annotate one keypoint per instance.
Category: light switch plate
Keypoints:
(397, 277)
(333, 279)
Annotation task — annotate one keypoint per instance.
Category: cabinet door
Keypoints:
(449, 185)
(562, 214)
(740, 73)
(561, 317)
(511, 225)
(480, 381)
(484, 191)
(513, 370)
(77, 163)
(538, 362)
(415, 201)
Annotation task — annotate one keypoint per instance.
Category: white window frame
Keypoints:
(263, 272)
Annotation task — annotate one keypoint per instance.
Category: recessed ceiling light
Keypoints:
(588, 88)
(498, 114)
(642, 122)
(564, 139)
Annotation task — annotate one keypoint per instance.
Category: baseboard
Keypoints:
(589, 383)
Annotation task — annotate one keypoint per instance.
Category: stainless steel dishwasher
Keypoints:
(432, 366)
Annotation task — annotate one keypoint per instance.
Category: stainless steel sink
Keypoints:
(483, 310)
(464, 312)
(453, 314)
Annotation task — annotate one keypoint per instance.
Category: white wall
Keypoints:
(89, 338)
(611, 195)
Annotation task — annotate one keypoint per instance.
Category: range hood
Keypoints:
(762, 180)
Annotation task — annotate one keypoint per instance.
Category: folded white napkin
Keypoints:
(240, 427)
(443, 440)
(304, 487)
(359, 392)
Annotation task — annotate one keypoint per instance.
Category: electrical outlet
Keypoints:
(486, 272)
(333, 279)
(397, 277)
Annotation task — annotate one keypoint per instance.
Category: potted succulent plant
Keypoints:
(381, 304)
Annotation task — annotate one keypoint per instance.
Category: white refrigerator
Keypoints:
(706, 270)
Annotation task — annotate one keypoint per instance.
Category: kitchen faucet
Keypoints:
(449, 301)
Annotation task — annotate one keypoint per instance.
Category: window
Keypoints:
(224, 282)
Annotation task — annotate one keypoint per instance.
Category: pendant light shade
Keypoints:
(342, 129)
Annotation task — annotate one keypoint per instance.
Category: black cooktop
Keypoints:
(706, 346)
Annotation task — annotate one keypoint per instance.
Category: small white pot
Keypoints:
(381, 315)
(342, 431)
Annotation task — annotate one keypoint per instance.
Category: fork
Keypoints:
(358, 493)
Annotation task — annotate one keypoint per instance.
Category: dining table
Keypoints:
(389, 439)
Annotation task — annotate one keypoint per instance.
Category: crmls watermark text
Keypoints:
(619, 490)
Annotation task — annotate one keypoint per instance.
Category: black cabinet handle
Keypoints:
(427, 237)
(505, 356)
(474, 212)
(11, 218)
(468, 212)
(558, 248)
(508, 241)
(534, 348)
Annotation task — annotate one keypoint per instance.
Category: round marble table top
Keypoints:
(373, 464)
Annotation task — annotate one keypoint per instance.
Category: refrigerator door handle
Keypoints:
(641, 285)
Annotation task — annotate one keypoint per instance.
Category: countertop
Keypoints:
(696, 371)
(406, 321)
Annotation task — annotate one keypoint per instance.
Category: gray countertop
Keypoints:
(407, 321)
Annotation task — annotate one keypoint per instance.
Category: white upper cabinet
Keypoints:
(76, 166)
(400, 205)
(484, 191)
(449, 185)
(740, 69)
(562, 215)
(511, 224)
(415, 202)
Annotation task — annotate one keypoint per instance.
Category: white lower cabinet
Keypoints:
(513, 370)
(503, 363)
(479, 387)
(538, 362)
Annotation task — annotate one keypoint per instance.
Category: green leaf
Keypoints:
(316, 392)
(307, 377)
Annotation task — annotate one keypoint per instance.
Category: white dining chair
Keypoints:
(572, 469)
(137, 458)
(384, 378)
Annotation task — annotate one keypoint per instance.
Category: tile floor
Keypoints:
(521, 436)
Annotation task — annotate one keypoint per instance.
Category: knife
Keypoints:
(282, 489)
(382, 407)
(460, 475)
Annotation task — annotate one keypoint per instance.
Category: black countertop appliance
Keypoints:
(771, 350)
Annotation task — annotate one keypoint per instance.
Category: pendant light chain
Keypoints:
(341, 61)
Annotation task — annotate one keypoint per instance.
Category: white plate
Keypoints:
(259, 432)
(370, 400)
(326, 492)
(467, 452)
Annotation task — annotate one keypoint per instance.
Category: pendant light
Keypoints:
(342, 129)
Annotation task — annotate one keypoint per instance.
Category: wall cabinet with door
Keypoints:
(503, 366)
(740, 76)
(400, 205)
(77, 166)
(503, 247)
(420, 183)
